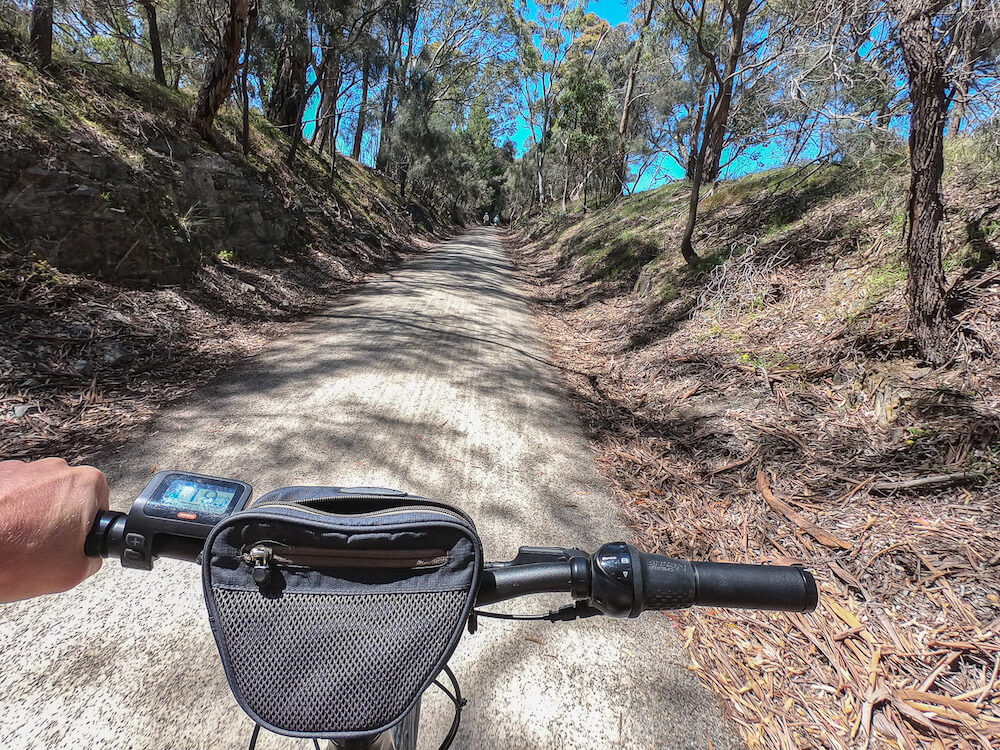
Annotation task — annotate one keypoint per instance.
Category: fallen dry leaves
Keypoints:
(837, 455)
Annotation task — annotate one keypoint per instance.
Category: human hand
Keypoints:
(46, 510)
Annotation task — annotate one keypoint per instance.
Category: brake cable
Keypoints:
(459, 702)
(576, 611)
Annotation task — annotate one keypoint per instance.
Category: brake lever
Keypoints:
(531, 555)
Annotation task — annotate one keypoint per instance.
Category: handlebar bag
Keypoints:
(334, 609)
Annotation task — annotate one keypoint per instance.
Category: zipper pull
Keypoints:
(260, 558)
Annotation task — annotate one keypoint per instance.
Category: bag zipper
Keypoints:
(262, 558)
(304, 505)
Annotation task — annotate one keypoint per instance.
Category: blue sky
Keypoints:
(612, 12)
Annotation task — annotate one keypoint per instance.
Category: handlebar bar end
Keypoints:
(106, 534)
(811, 600)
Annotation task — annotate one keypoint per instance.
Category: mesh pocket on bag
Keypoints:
(334, 663)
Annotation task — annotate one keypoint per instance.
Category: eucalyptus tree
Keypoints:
(398, 22)
(370, 58)
(218, 80)
(546, 32)
(940, 62)
(846, 86)
(738, 46)
(155, 46)
(449, 63)
(878, 67)
(492, 161)
(288, 23)
(645, 11)
(588, 126)
(976, 45)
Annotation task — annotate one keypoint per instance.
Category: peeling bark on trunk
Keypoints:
(219, 76)
(41, 32)
(155, 49)
(925, 281)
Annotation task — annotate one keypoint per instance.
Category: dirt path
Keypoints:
(431, 379)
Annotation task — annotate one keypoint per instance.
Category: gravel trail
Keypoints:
(433, 379)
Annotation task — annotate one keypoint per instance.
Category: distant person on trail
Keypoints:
(46, 510)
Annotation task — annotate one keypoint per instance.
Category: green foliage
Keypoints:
(763, 360)
(885, 279)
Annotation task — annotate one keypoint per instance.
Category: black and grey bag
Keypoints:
(334, 609)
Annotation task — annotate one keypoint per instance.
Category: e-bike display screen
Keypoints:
(197, 499)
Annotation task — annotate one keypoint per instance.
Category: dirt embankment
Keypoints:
(769, 408)
(136, 260)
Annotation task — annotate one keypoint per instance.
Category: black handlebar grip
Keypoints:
(664, 583)
(106, 534)
(774, 587)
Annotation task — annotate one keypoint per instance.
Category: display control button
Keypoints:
(188, 516)
(137, 541)
(133, 555)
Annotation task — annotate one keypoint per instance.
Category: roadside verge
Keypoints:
(743, 459)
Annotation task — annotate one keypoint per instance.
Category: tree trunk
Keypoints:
(330, 108)
(297, 125)
(154, 42)
(697, 179)
(695, 144)
(724, 104)
(961, 97)
(124, 39)
(565, 189)
(245, 81)
(402, 177)
(359, 130)
(385, 132)
(289, 84)
(327, 100)
(219, 76)
(687, 244)
(41, 32)
(540, 168)
(925, 281)
(621, 161)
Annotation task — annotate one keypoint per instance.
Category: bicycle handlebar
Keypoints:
(621, 581)
(617, 580)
